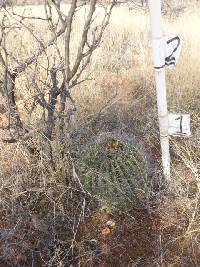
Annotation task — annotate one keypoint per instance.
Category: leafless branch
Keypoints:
(52, 95)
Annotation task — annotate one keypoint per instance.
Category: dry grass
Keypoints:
(120, 100)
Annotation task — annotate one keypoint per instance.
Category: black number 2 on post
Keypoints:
(171, 60)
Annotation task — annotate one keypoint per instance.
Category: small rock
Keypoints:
(111, 224)
(106, 231)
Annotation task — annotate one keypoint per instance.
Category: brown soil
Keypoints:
(111, 239)
(136, 239)
(130, 239)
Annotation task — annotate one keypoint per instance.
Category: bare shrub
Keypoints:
(54, 59)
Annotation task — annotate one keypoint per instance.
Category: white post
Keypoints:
(159, 62)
